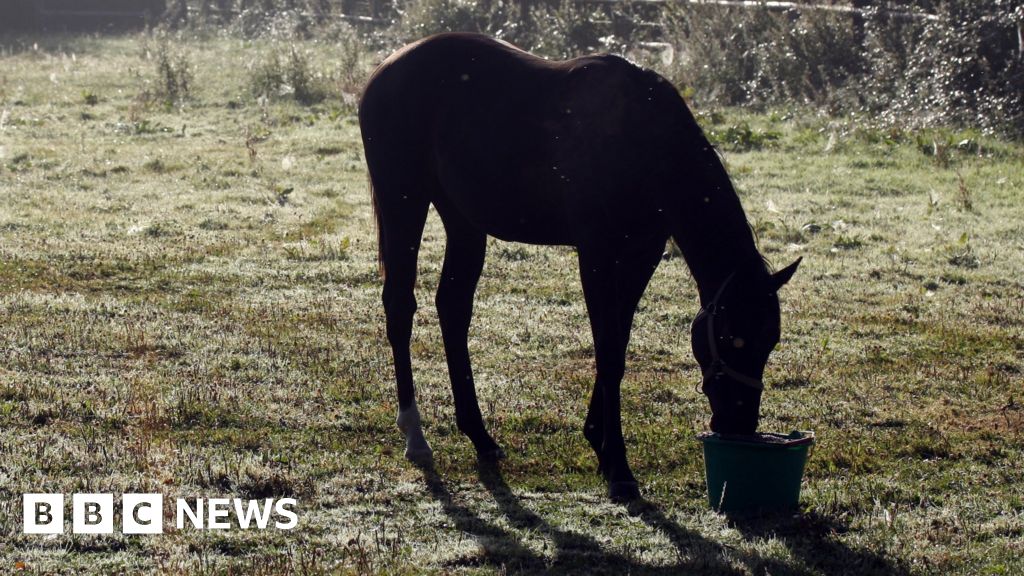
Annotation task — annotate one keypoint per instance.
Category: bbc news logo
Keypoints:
(144, 513)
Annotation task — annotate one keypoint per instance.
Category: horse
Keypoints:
(594, 153)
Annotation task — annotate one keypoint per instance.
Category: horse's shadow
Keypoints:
(812, 539)
(575, 553)
(807, 536)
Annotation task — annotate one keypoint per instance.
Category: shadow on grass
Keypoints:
(813, 540)
(575, 553)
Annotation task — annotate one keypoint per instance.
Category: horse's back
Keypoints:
(520, 145)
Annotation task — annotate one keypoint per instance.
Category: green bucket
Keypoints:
(761, 471)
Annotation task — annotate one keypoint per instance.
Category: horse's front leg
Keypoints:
(593, 426)
(612, 286)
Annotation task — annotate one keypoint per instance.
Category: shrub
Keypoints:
(554, 28)
(567, 29)
(962, 66)
(502, 19)
(967, 68)
(755, 55)
(351, 66)
(174, 76)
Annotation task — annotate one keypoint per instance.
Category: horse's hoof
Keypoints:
(491, 455)
(419, 455)
(623, 491)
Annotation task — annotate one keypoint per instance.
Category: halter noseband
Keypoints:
(718, 366)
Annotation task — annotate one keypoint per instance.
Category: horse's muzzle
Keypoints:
(735, 407)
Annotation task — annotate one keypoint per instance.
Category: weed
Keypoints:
(953, 278)
(322, 250)
(212, 225)
(938, 150)
(157, 166)
(254, 136)
(742, 138)
(964, 196)
(515, 254)
(174, 78)
(157, 230)
(844, 242)
(962, 254)
(352, 71)
(328, 150)
(20, 162)
(136, 126)
(933, 201)
(282, 195)
(290, 76)
(305, 87)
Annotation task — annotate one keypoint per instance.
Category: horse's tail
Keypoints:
(378, 224)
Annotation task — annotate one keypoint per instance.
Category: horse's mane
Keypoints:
(769, 267)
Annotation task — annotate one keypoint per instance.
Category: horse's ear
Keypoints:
(780, 278)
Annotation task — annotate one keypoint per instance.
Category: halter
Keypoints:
(718, 366)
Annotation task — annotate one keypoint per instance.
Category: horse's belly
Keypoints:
(513, 210)
(538, 229)
(507, 189)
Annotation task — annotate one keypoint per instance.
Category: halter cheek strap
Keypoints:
(718, 366)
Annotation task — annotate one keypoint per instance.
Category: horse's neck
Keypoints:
(716, 243)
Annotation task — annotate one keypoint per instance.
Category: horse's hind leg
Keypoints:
(402, 220)
(463, 262)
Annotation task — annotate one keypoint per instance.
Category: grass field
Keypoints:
(189, 304)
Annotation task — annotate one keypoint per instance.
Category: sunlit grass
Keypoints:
(190, 305)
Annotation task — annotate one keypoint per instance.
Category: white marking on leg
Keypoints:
(416, 446)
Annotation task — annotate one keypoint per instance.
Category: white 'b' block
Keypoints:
(43, 514)
(92, 513)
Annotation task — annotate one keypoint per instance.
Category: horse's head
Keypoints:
(732, 337)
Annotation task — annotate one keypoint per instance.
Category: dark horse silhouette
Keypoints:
(594, 153)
